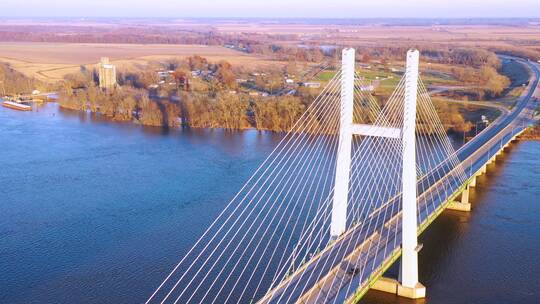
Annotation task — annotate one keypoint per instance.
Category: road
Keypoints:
(327, 276)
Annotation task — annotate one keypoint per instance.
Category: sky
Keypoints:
(272, 8)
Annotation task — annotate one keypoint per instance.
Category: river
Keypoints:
(490, 254)
(95, 211)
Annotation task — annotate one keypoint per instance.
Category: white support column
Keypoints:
(410, 287)
(343, 166)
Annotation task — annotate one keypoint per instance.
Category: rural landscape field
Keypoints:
(51, 52)
(50, 62)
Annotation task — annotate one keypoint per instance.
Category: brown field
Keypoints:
(525, 37)
(374, 34)
(50, 62)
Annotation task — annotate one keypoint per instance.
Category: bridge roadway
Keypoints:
(326, 277)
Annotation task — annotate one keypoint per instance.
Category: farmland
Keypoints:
(50, 62)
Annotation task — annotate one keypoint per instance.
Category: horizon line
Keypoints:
(11, 17)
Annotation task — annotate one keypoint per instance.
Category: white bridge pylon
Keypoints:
(346, 188)
(409, 265)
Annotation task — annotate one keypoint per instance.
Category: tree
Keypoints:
(290, 68)
(197, 63)
(225, 75)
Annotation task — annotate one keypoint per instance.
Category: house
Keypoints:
(364, 65)
(311, 85)
(163, 74)
(367, 88)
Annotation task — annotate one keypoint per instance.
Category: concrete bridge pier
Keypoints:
(483, 170)
(472, 184)
(464, 204)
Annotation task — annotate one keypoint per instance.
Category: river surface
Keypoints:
(94, 211)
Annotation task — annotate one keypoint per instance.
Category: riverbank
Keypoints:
(532, 133)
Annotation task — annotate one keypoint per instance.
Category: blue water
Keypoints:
(491, 254)
(97, 212)
(94, 211)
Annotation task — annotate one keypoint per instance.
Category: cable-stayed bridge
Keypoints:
(343, 195)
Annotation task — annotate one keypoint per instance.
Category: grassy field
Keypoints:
(50, 62)
(326, 76)
(388, 76)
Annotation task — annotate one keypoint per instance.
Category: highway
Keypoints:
(342, 271)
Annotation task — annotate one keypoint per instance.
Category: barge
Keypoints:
(16, 106)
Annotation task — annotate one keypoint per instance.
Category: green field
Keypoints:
(326, 75)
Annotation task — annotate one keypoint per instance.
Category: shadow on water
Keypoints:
(440, 240)
(232, 142)
(143, 196)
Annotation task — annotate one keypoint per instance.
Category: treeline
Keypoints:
(235, 112)
(125, 104)
(446, 55)
(124, 34)
(478, 69)
(462, 56)
(192, 109)
(523, 52)
(15, 83)
(484, 83)
(532, 133)
(451, 118)
(290, 53)
(241, 112)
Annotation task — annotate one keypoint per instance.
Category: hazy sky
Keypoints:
(270, 8)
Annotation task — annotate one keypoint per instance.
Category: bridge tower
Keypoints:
(343, 165)
(409, 286)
